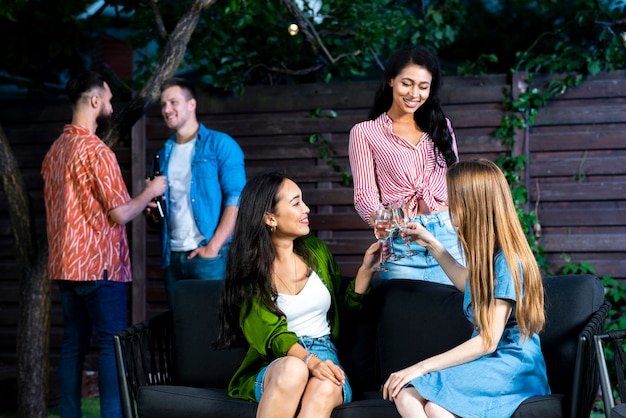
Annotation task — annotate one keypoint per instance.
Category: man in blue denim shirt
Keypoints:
(205, 175)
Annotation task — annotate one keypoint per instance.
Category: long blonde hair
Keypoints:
(482, 208)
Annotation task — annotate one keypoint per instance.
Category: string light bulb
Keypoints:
(293, 29)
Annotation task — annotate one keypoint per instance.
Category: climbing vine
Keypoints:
(326, 150)
(519, 115)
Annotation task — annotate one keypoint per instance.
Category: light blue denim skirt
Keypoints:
(421, 265)
(324, 349)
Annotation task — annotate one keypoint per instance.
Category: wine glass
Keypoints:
(382, 223)
(399, 222)
(401, 218)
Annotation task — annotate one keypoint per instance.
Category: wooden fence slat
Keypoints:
(579, 167)
(585, 242)
(340, 221)
(583, 217)
(578, 137)
(581, 115)
(579, 191)
(603, 85)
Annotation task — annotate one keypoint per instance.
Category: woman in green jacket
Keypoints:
(283, 298)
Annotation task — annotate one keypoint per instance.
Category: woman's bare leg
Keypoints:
(319, 399)
(435, 411)
(410, 403)
(283, 385)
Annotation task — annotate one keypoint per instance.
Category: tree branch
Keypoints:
(285, 70)
(169, 61)
(310, 31)
(158, 19)
(20, 207)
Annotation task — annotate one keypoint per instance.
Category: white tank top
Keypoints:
(307, 311)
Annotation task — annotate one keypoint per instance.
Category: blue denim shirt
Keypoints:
(217, 178)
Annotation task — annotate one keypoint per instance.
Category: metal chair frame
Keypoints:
(615, 339)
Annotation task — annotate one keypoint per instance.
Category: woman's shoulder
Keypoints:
(369, 125)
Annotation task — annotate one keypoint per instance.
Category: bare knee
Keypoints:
(320, 397)
(286, 374)
(324, 389)
(409, 403)
(435, 411)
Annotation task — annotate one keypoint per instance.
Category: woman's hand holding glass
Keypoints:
(413, 231)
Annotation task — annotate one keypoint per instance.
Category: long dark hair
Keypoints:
(430, 116)
(250, 258)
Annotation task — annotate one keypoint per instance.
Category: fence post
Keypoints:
(138, 225)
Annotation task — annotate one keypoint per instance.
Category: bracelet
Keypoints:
(308, 358)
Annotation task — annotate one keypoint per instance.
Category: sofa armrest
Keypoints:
(586, 372)
(143, 354)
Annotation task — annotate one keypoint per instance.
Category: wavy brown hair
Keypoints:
(482, 208)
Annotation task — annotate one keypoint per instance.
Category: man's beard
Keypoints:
(104, 122)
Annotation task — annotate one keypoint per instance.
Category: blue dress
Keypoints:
(492, 386)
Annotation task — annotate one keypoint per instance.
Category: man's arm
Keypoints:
(223, 231)
(123, 214)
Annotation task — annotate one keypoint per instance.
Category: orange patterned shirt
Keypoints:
(82, 183)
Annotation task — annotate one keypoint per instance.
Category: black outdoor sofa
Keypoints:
(169, 368)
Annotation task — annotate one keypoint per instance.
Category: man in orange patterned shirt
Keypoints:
(87, 207)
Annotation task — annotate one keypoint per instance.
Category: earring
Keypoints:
(273, 228)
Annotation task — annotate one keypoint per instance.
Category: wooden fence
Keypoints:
(576, 175)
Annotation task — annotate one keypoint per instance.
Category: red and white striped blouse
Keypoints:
(387, 167)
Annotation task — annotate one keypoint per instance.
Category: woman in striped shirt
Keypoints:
(401, 154)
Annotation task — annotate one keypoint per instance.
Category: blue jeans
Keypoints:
(197, 268)
(422, 265)
(324, 349)
(95, 308)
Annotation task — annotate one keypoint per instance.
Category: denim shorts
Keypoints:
(422, 265)
(324, 349)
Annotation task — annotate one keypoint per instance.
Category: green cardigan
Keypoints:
(267, 333)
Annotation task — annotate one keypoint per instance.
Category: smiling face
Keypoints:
(411, 89)
(177, 108)
(291, 214)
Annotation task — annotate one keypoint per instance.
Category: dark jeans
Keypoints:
(90, 308)
(197, 268)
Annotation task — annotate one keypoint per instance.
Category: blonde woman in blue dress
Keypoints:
(501, 365)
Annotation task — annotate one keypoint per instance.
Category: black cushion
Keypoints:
(571, 300)
(418, 320)
(541, 407)
(357, 345)
(186, 402)
(196, 362)
(190, 402)
(367, 408)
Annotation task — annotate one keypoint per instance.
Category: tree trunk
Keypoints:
(33, 342)
(34, 295)
(35, 288)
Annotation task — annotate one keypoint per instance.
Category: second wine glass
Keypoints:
(382, 224)
(401, 218)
